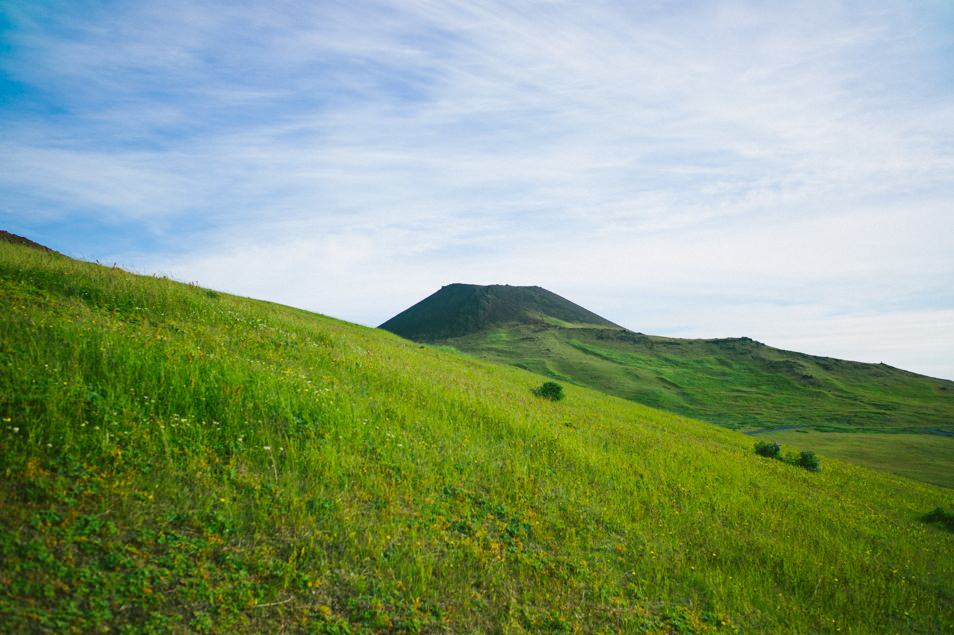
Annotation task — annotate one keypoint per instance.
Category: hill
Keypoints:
(460, 309)
(179, 460)
(741, 384)
(7, 237)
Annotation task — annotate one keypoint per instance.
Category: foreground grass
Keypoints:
(175, 459)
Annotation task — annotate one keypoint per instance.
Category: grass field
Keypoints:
(737, 383)
(176, 459)
(924, 457)
(745, 385)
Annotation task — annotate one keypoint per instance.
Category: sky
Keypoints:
(778, 170)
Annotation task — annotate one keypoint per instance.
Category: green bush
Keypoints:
(549, 390)
(940, 516)
(768, 448)
(807, 460)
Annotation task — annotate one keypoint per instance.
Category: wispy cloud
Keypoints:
(675, 165)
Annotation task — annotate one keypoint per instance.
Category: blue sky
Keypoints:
(697, 169)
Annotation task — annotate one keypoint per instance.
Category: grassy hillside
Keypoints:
(743, 384)
(738, 383)
(925, 457)
(174, 459)
(7, 237)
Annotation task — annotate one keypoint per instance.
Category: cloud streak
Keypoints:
(707, 159)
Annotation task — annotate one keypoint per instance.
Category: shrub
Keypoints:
(549, 390)
(940, 516)
(808, 460)
(805, 458)
(768, 448)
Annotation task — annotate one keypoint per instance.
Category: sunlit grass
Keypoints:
(744, 385)
(176, 459)
(925, 457)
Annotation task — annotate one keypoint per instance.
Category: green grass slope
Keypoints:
(7, 237)
(925, 457)
(737, 383)
(743, 384)
(177, 460)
